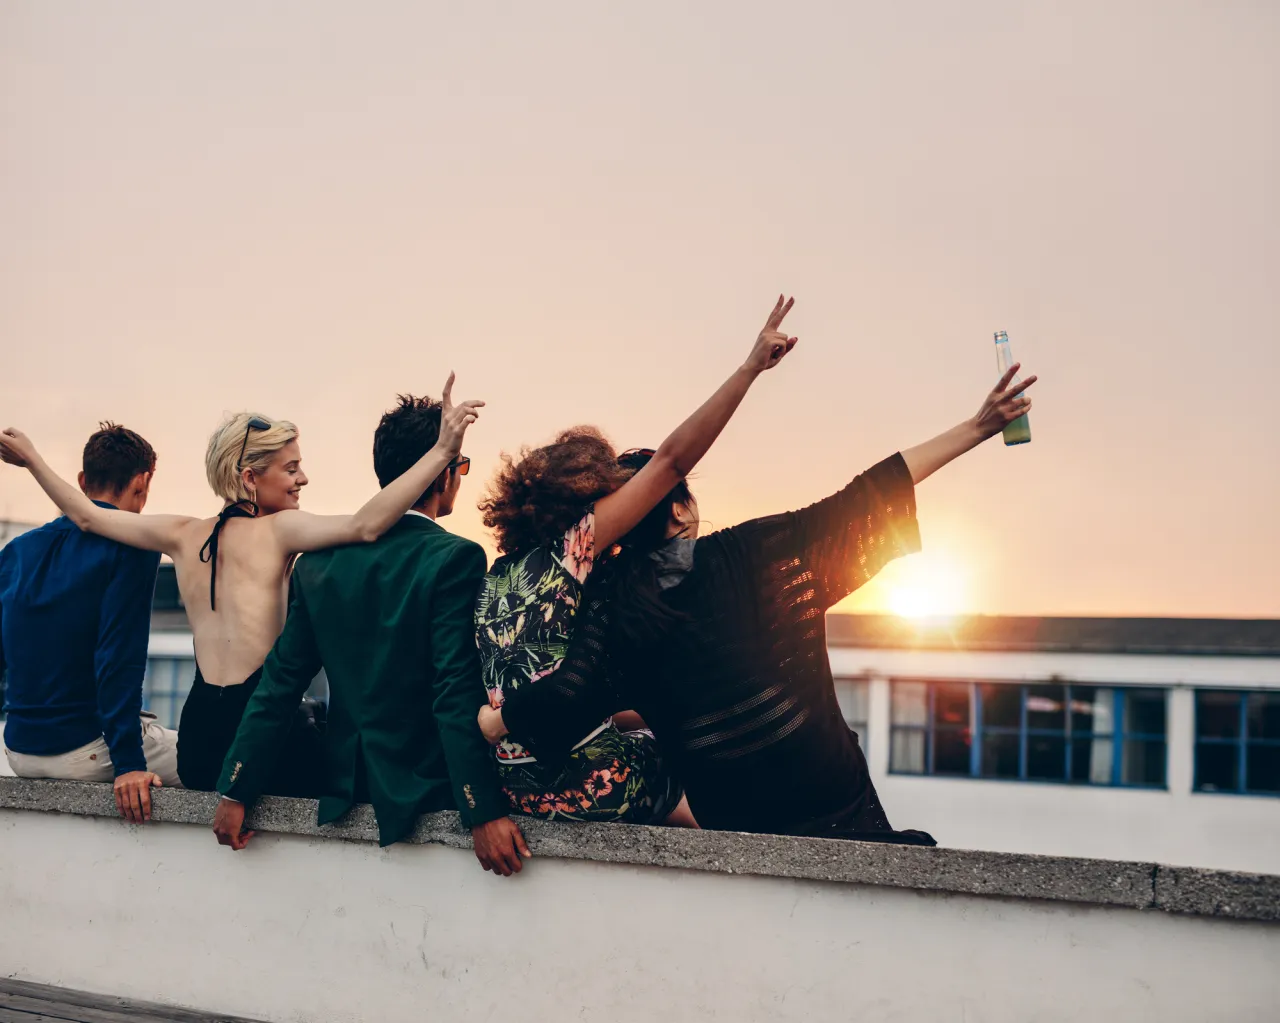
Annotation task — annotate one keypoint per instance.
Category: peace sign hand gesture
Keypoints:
(1004, 404)
(454, 420)
(773, 344)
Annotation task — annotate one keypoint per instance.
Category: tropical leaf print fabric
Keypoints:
(524, 618)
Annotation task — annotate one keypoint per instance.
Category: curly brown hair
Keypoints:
(535, 498)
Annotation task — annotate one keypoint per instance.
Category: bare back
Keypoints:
(252, 597)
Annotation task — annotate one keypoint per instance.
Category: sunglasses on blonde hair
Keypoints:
(255, 423)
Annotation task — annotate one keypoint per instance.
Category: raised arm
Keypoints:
(1000, 408)
(845, 539)
(149, 532)
(618, 513)
(299, 531)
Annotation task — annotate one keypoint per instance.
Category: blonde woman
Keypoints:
(233, 569)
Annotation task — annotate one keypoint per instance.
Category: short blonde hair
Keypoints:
(220, 461)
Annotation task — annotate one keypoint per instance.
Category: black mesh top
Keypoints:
(740, 694)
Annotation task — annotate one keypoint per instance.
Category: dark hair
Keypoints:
(535, 498)
(404, 435)
(114, 456)
(639, 614)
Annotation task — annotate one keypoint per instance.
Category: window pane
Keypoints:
(1217, 714)
(853, 695)
(1144, 711)
(162, 707)
(1046, 757)
(951, 704)
(906, 751)
(909, 703)
(1262, 769)
(1216, 767)
(951, 751)
(1092, 710)
(1143, 762)
(999, 756)
(1046, 707)
(1264, 716)
(1091, 761)
(1001, 705)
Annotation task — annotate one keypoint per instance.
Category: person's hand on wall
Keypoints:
(228, 824)
(133, 795)
(499, 846)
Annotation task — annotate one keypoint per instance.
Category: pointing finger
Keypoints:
(446, 396)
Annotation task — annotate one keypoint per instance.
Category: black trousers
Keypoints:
(210, 718)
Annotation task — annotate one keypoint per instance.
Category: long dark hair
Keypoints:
(639, 614)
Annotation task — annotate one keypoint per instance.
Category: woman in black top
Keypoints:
(720, 644)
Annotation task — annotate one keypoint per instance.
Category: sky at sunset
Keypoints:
(587, 210)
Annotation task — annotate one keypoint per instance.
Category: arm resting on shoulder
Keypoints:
(148, 532)
(559, 710)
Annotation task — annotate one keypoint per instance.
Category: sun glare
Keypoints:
(927, 587)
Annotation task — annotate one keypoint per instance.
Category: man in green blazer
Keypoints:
(392, 624)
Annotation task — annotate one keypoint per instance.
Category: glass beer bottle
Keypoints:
(1019, 431)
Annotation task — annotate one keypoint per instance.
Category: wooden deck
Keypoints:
(21, 1002)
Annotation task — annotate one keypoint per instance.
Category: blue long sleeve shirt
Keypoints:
(75, 616)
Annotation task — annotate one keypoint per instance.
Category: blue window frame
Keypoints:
(1050, 731)
(1238, 741)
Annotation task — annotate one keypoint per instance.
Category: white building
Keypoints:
(1119, 738)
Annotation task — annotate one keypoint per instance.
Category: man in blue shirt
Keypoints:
(75, 617)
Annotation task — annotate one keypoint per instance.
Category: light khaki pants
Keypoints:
(93, 762)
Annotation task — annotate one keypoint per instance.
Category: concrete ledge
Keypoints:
(1098, 882)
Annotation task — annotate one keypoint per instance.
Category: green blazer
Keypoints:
(392, 624)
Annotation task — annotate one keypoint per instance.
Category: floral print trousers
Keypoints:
(615, 776)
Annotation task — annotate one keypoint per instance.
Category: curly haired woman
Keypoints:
(555, 510)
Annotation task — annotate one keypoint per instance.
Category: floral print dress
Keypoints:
(524, 620)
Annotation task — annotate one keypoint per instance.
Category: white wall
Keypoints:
(1174, 826)
(308, 929)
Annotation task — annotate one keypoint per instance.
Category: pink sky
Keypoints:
(587, 211)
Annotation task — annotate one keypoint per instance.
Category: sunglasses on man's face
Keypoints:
(256, 423)
(462, 464)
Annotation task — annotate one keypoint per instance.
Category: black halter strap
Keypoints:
(209, 552)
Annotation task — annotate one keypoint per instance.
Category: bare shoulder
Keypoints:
(192, 533)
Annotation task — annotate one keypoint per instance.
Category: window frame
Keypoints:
(1241, 741)
(860, 728)
(168, 688)
(1119, 736)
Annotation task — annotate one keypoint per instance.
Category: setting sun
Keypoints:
(926, 586)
